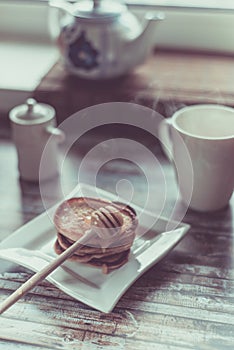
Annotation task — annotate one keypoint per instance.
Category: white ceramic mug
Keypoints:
(199, 140)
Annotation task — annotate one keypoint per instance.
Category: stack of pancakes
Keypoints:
(112, 223)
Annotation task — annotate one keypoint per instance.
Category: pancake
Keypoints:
(71, 219)
(86, 250)
(107, 263)
(113, 224)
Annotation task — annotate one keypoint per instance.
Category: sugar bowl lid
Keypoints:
(32, 112)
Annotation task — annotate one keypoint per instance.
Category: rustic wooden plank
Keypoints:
(178, 311)
(173, 289)
(153, 289)
(40, 334)
(9, 345)
(64, 313)
(178, 331)
(148, 299)
(54, 307)
(180, 297)
(149, 330)
(129, 323)
(103, 341)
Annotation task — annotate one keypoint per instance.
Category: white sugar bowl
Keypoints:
(33, 125)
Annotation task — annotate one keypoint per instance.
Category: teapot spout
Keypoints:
(143, 43)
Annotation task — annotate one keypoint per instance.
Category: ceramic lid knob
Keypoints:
(32, 112)
(100, 10)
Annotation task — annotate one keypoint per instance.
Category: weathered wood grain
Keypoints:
(40, 334)
(167, 81)
(10, 345)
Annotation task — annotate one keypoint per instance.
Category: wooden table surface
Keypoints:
(168, 80)
(186, 301)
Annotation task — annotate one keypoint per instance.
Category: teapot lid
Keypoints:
(32, 113)
(98, 9)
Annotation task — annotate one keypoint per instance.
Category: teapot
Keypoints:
(102, 39)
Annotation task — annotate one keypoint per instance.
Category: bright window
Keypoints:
(193, 24)
(209, 4)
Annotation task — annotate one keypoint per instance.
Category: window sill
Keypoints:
(23, 65)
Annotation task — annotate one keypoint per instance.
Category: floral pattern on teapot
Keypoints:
(82, 53)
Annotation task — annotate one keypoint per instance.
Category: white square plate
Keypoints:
(31, 246)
